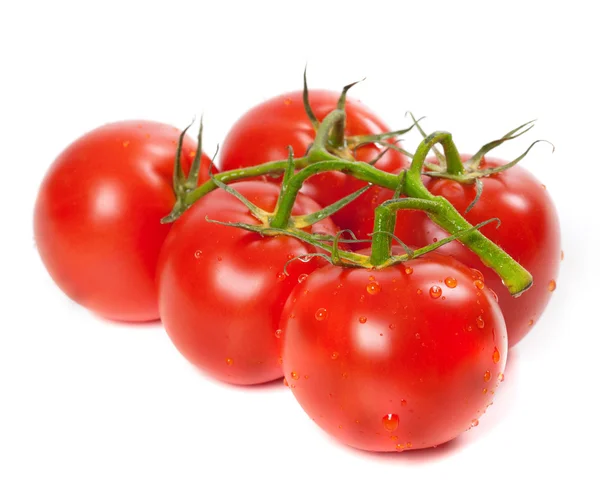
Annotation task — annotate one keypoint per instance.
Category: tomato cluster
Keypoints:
(388, 356)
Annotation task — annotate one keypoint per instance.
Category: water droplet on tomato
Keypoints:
(496, 356)
(494, 294)
(480, 322)
(485, 390)
(285, 382)
(362, 319)
(279, 361)
(435, 240)
(321, 314)
(408, 270)
(373, 287)
(278, 333)
(408, 445)
(394, 437)
(479, 284)
(362, 298)
(392, 326)
(334, 355)
(302, 277)
(371, 278)
(435, 292)
(287, 101)
(125, 143)
(451, 282)
(501, 377)
(281, 276)
(390, 422)
(487, 376)
(477, 275)
(198, 254)
(305, 258)
(552, 285)
(530, 323)
(400, 447)
(290, 256)
(562, 255)
(417, 335)
(474, 423)
(294, 375)
(344, 375)
(220, 259)
(229, 361)
(419, 291)
(403, 402)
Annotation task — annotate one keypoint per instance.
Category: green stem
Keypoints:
(360, 170)
(453, 163)
(318, 150)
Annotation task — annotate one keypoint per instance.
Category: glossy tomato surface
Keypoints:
(530, 233)
(405, 357)
(97, 216)
(222, 289)
(263, 134)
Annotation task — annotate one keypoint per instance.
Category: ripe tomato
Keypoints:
(97, 215)
(529, 232)
(222, 289)
(264, 133)
(412, 363)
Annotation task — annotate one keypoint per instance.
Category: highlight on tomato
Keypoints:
(97, 215)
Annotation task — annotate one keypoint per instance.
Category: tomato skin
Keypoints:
(393, 369)
(264, 132)
(222, 289)
(97, 216)
(530, 233)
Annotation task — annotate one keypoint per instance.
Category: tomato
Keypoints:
(264, 133)
(393, 359)
(222, 289)
(529, 233)
(97, 216)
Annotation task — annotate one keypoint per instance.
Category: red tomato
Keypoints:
(264, 133)
(97, 216)
(529, 233)
(400, 358)
(222, 289)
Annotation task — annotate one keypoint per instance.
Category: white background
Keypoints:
(88, 402)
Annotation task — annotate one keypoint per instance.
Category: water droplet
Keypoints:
(220, 259)
(229, 361)
(305, 258)
(335, 355)
(390, 422)
(417, 335)
(469, 327)
(198, 254)
(543, 186)
(302, 277)
(477, 275)
(530, 323)
(496, 356)
(552, 285)
(285, 382)
(435, 240)
(281, 276)
(321, 314)
(306, 377)
(474, 423)
(479, 284)
(294, 375)
(451, 282)
(501, 377)
(371, 278)
(408, 445)
(287, 101)
(485, 391)
(392, 326)
(362, 319)
(279, 361)
(435, 292)
(125, 143)
(562, 255)
(403, 402)
(290, 256)
(419, 291)
(408, 270)
(278, 333)
(494, 294)
(487, 376)
(362, 298)
(399, 447)
(394, 437)
(373, 287)
(344, 375)
(480, 322)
